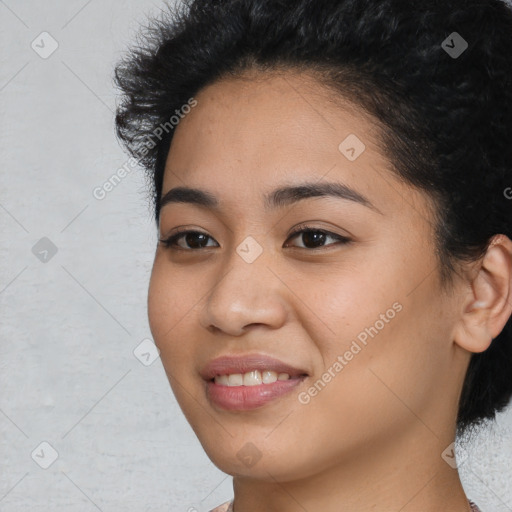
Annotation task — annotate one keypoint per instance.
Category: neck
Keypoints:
(407, 475)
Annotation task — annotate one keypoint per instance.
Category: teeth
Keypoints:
(253, 378)
(268, 377)
(236, 379)
(222, 380)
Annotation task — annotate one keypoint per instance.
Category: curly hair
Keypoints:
(445, 115)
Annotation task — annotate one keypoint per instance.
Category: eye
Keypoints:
(315, 237)
(195, 240)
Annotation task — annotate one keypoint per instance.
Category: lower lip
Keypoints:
(244, 398)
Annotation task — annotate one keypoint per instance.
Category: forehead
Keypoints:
(251, 134)
(268, 113)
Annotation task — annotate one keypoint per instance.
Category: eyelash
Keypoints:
(170, 243)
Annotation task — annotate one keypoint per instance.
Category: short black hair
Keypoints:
(445, 109)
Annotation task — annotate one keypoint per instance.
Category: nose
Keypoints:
(244, 296)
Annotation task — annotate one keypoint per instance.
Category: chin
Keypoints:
(270, 464)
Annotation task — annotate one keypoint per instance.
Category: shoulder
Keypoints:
(225, 507)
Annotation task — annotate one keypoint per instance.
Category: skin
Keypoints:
(373, 437)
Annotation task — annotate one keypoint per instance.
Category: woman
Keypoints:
(331, 291)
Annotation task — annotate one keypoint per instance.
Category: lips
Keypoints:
(241, 397)
(227, 365)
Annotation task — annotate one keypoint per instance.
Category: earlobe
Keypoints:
(488, 306)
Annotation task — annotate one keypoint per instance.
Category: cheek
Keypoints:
(352, 304)
(383, 333)
(161, 302)
(366, 389)
(170, 312)
(170, 305)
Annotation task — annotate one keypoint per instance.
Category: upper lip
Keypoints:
(227, 365)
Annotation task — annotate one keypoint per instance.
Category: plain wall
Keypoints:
(70, 321)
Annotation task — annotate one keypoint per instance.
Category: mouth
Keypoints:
(250, 370)
(253, 378)
(249, 382)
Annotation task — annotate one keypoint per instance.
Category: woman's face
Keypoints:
(357, 307)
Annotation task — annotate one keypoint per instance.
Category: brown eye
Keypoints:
(314, 238)
(194, 239)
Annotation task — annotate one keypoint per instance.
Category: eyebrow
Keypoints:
(283, 196)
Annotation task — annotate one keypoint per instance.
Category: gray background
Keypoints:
(70, 321)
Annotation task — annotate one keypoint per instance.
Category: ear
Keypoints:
(488, 305)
